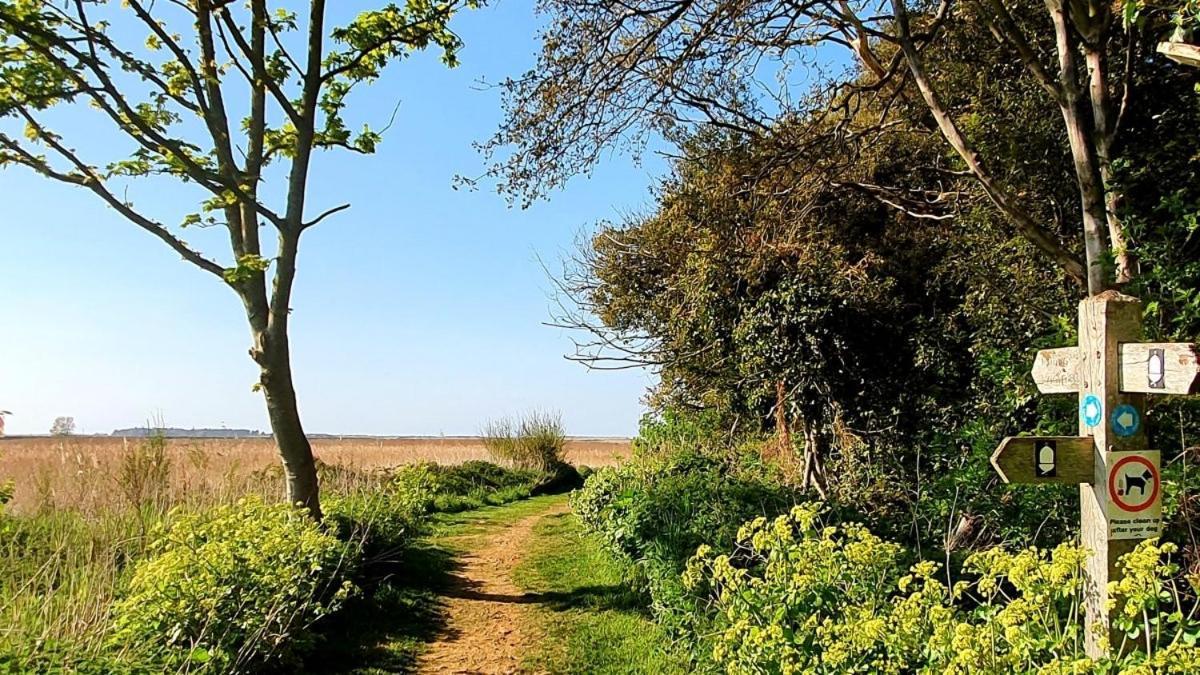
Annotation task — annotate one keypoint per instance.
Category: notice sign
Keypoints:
(1134, 495)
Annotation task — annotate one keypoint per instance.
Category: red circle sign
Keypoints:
(1153, 477)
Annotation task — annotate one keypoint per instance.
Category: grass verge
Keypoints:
(592, 621)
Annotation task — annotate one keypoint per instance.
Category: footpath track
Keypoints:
(487, 628)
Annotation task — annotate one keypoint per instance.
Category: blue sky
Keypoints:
(418, 311)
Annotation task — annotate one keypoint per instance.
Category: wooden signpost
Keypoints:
(1120, 489)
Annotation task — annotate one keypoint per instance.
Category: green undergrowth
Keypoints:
(244, 585)
(743, 584)
(385, 629)
(592, 621)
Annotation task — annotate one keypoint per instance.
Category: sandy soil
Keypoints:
(487, 627)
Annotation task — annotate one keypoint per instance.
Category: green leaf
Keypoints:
(247, 266)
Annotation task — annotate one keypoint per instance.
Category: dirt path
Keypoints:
(486, 629)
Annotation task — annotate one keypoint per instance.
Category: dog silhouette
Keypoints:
(1138, 481)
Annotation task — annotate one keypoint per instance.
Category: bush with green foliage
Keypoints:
(381, 521)
(473, 484)
(235, 587)
(795, 594)
(664, 507)
(535, 440)
(654, 510)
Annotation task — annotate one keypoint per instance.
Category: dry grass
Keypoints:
(86, 507)
(85, 473)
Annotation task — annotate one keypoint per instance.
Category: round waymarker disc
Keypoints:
(1126, 420)
(1091, 410)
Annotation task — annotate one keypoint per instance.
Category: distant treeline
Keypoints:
(172, 432)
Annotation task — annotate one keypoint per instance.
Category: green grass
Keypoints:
(450, 527)
(593, 622)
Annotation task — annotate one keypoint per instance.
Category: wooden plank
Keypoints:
(1046, 459)
(1180, 52)
(1160, 368)
(1056, 371)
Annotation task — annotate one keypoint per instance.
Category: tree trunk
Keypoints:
(783, 432)
(1083, 138)
(1092, 198)
(1105, 126)
(273, 356)
(816, 447)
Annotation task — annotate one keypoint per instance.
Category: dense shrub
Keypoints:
(664, 507)
(533, 441)
(471, 485)
(380, 522)
(234, 587)
(797, 595)
(656, 509)
(558, 479)
(672, 430)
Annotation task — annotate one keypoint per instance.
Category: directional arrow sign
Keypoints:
(1145, 368)
(1056, 371)
(1159, 368)
(1125, 420)
(1045, 459)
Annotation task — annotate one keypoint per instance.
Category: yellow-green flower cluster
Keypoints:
(233, 587)
(798, 596)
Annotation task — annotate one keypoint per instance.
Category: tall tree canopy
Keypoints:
(611, 74)
(842, 269)
(230, 98)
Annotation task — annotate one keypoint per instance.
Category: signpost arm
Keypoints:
(1105, 322)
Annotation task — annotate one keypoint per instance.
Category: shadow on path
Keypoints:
(407, 605)
(614, 597)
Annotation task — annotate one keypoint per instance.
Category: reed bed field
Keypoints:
(88, 473)
(83, 509)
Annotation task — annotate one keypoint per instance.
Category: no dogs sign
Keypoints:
(1135, 495)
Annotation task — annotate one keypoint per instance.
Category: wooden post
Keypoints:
(1105, 322)
(1120, 486)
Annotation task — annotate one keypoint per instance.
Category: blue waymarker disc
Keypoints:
(1091, 410)
(1126, 420)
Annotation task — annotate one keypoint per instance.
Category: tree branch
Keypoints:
(1011, 32)
(88, 178)
(1002, 198)
(260, 71)
(326, 214)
